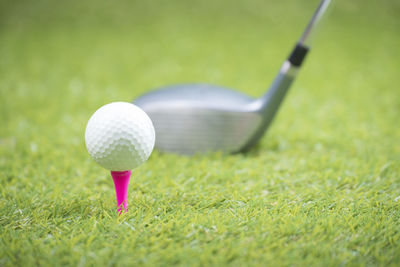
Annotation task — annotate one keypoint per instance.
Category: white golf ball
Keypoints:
(120, 136)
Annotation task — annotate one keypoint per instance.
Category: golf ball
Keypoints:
(120, 136)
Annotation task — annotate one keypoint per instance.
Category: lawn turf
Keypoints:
(321, 188)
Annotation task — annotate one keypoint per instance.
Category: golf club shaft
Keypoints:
(309, 31)
(288, 72)
(270, 102)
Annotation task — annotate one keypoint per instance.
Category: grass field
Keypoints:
(322, 188)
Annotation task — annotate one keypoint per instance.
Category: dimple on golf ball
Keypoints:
(120, 136)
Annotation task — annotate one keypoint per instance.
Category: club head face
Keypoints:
(199, 118)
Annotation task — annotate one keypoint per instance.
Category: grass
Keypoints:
(322, 188)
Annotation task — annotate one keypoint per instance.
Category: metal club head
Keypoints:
(201, 118)
(198, 118)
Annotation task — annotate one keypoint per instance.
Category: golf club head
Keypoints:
(200, 118)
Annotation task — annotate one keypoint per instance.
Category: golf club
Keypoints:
(200, 118)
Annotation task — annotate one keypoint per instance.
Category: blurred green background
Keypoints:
(62, 60)
(322, 188)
